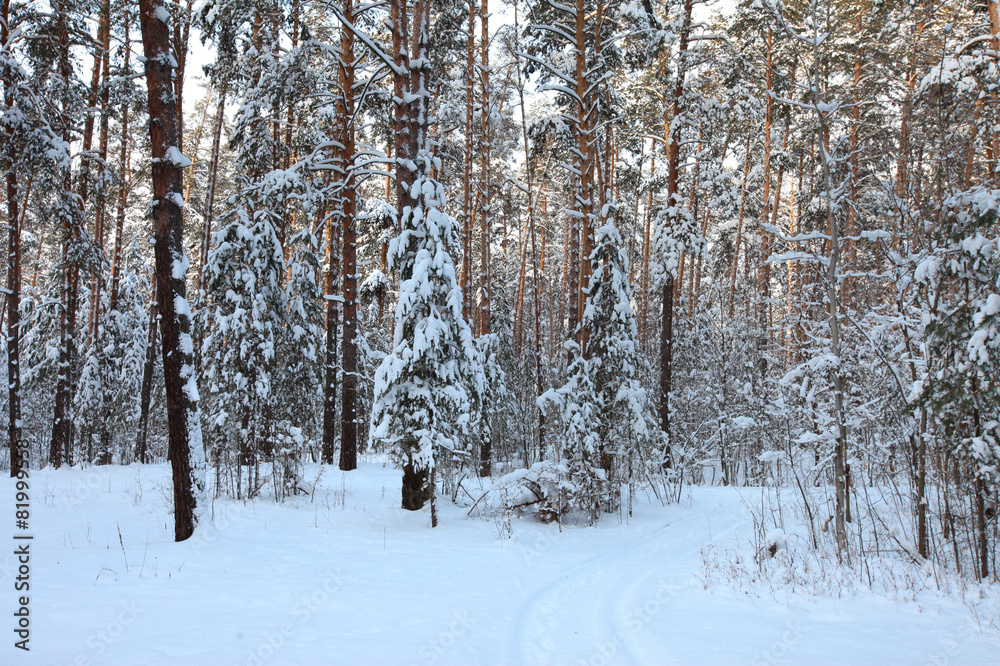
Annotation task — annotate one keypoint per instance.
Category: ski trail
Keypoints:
(599, 606)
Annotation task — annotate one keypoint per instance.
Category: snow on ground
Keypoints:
(346, 577)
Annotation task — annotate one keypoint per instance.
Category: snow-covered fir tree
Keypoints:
(609, 430)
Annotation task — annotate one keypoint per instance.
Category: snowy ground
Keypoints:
(349, 578)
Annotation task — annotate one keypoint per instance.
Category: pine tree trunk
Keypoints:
(521, 283)
(404, 147)
(416, 487)
(833, 300)
(124, 182)
(981, 533)
(213, 179)
(332, 324)
(104, 38)
(921, 498)
(644, 300)
(993, 140)
(468, 206)
(485, 214)
(673, 180)
(739, 230)
(412, 132)
(582, 207)
(851, 223)
(18, 457)
(766, 238)
(146, 388)
(100, 216)
(486, 181)
(196, 146)
(61, 444)
(571, 276)
(404, 138)
(776, 209)
(183, 418)
(181, 38)
(349, 412)
(536, 268)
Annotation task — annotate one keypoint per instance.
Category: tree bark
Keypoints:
(582, 207)
(644, 299)
(213, 179)
(146, 388)
(183, 418)
(412, 115)
(349, 412)
(18, 458)
(468, 206)
(124, 180)
(833, 299)
(673, 181)
(766, 238)
(486, 182)
(181, 38)
(332, 323)
(739, 229)
(60, 447)
(536, 268)
(104, 37)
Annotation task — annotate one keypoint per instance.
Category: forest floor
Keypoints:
(346, 577)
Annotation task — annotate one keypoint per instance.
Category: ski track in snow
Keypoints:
(346, 577)
(617, 594)
(540, 619)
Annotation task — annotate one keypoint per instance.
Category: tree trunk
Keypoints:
(833, 300)
(196, 146)
(485, 213)
(739, 230)
(124, 181)
(213, 179)
(181, 38)
(332, 323)
(104, 36)
(60, 447)
(18, 458)
(412, 127)
(183, 418)
(486, 182)
(983, 543)
(349, 412)
(571, 276)
(583, 194)
(644, 300)
(468, 206)
(766, 238)
(536, 268)
(673, 178)
(146, 388)
(416, 487)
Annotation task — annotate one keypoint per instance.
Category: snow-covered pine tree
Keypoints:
(107, 396)
(26, 139)
(960, 285)
(262, 318)
(608, 422)
(574, 49)
(185, 449)
(428, 387)
(254, 356)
